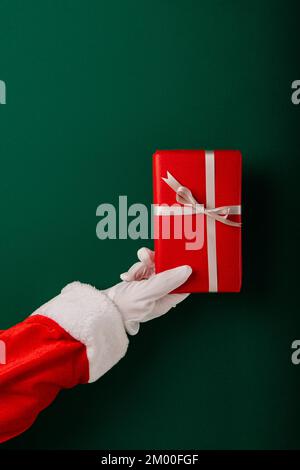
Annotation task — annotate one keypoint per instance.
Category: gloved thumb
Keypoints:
(165, 282)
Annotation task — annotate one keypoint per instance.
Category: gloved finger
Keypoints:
(132, 272)
(146, 256)
(132, 327)
(137, 272)
(142, 269)
(164, 304)
(165, 282)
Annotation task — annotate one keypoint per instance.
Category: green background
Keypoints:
(93, 89)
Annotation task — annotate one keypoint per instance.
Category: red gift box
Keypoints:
(197, 193)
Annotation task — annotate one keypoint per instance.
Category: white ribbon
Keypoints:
(191, 206)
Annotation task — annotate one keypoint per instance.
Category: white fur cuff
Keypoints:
(90, 317)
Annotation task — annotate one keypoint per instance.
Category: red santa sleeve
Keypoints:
(73, 339)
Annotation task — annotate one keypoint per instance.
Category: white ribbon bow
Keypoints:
(184, 196)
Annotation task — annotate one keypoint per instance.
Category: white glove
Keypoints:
(144, 295)
(100, 319)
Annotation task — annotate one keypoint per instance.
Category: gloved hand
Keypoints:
(144, 295)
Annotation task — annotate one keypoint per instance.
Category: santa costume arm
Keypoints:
(77, 337)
